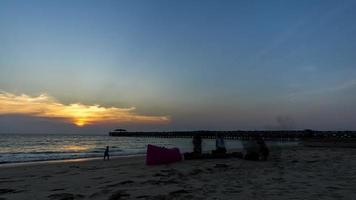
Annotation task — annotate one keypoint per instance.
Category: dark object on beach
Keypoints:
(256, 149)
(197, 149)
(106, 153)
(251, 147)
(197, 144)
(220, 151)
(264, 151)
(159, 155)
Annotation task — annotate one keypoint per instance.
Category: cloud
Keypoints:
(76, 113)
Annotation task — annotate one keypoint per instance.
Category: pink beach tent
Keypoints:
(159, 155)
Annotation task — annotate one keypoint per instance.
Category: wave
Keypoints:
(64, 158)
(60, 152)
(40, 156)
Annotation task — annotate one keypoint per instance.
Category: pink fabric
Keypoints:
(160, 155)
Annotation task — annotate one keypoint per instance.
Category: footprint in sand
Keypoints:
(57, 189)
(178, 192)
(97, 178)
(97, 194)
(62, 172)
(195, 172)
(7, 191)
(120, 183)
(118, 195)
(142, 197)
(65, 196)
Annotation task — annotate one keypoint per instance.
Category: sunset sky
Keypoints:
(92, 66)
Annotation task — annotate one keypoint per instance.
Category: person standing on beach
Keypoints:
(106, 153)
(197, 144)
(263, 149)
(220, 144)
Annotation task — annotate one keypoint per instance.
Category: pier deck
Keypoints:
(242, 135)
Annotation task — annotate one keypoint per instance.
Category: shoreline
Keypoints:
(66, 160)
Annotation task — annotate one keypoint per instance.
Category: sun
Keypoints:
(80, 122)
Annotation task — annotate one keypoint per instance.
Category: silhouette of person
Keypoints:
(220, 144)
(197, 144)
(264, 151)
(106, 153)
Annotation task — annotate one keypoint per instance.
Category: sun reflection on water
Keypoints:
(75, 148)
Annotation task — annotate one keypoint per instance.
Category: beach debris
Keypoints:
(160, 155)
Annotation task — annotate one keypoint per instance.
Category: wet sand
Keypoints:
(291, 173)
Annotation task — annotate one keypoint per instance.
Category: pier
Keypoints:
(280, 135)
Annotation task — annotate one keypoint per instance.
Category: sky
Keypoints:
(92, 66)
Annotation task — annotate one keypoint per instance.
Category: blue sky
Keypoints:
(205, 64)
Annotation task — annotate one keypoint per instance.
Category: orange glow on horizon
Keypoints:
(77, 113)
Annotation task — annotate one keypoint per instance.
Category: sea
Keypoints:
(22, 148)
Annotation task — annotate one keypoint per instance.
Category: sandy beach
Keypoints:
(290, 173)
